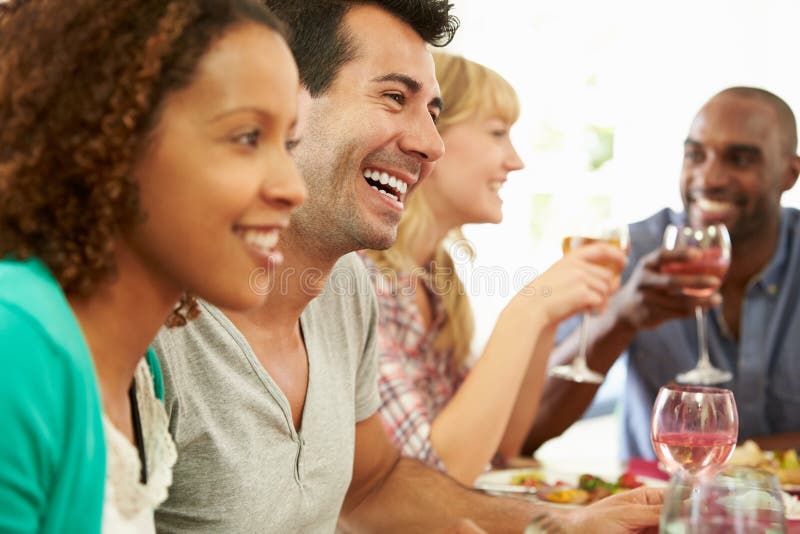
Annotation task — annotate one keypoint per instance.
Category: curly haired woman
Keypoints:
(143, 158)
(434, 405)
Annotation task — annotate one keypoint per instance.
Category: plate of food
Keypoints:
(557, 487)
(783, 463)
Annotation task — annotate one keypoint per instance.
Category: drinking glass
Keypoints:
(714, 246)
(615, 234)
(740, 500)
(694, 428)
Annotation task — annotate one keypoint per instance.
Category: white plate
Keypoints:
(791, 488)
(499, 482)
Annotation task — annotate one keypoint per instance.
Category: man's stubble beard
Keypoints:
(330, 221)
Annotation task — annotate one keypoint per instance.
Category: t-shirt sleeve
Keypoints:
(367, 398)
(35, 408)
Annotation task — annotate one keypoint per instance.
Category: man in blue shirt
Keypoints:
(739, 158)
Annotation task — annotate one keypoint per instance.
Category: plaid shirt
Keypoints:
(415, 380)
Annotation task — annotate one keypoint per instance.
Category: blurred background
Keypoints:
(608, 90)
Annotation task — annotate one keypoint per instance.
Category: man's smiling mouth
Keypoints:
(386, 184)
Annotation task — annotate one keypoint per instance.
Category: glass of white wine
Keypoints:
(604, 231)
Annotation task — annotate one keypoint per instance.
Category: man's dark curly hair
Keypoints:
(81, 84)
(321, 47)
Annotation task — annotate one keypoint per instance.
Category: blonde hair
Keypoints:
(470, 91)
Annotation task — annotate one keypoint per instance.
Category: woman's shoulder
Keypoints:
(30, 347)
(34, 305)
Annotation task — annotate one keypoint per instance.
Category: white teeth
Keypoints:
(495, 186)
(712, 205)
(381, 191)
(384, 178)
(264, 241)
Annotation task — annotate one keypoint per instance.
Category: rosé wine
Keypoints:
(711, 262)
(699, 454)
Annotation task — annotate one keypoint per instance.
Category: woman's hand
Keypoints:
(583, 279)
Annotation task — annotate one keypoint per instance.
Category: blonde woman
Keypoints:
(434, 405)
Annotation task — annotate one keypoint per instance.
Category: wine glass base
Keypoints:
(704, 376)
(576, 374)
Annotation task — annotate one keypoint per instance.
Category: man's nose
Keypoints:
(421, 139)
(712, 173)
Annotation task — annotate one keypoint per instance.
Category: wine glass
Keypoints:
(694, 428)
(742, 500)
(714, 258)
(615, 234)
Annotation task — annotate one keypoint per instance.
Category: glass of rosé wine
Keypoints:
(714, 258)
(694, 428)
(605, 231)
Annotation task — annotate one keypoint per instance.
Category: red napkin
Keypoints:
(646, 468)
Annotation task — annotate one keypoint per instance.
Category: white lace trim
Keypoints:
(127, 500)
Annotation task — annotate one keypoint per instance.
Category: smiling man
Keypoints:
(274, 411)
(739, 158)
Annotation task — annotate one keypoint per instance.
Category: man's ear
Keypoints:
(792, 171)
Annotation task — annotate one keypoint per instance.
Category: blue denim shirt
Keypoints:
(765, 363)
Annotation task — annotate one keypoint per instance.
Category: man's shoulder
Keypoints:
(787, 254)
(203, 329)
(656, 223)
(792, 218)
(184, 352)
(647, 234)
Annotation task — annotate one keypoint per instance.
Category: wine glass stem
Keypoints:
(583, 342)
(702, 344)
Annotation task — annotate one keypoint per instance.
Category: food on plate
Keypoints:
(531, 479)
(784, 464)
(590, 488)
(567, 496)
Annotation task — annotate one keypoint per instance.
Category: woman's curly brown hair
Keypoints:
(81, 82)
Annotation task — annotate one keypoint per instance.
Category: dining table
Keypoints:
(589, 447)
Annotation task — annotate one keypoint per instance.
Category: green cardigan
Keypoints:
(52, 449)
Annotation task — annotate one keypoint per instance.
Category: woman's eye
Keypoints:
(692, 155)
(249, 138)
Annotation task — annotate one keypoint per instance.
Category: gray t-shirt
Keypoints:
(242, 467)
